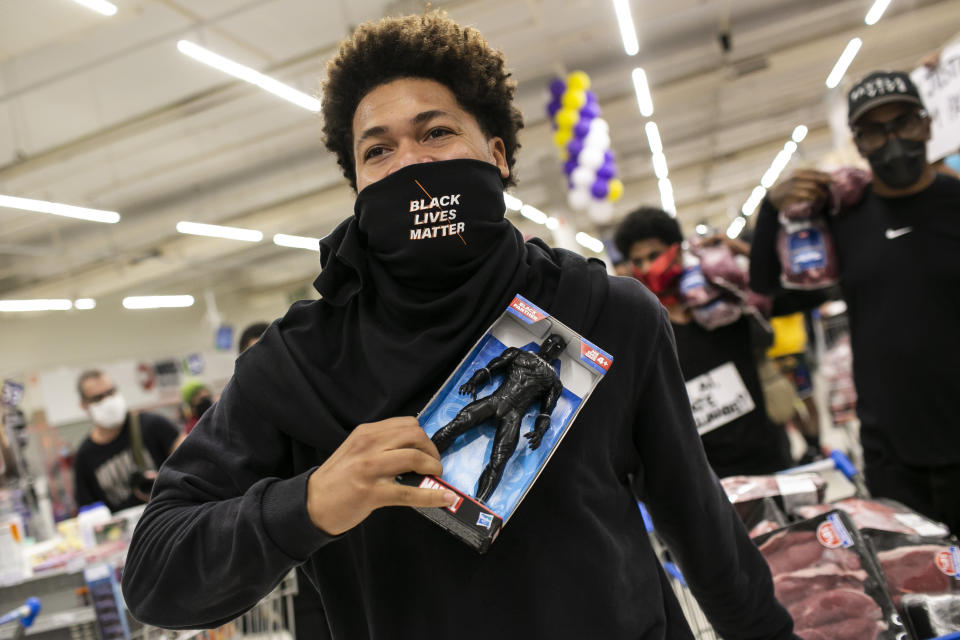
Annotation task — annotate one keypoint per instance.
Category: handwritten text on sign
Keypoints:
(718, 397)
(940, 92)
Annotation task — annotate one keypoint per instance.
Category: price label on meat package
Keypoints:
(718, 397)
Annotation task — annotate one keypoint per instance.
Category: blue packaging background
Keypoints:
(466, 458)
(807, 250)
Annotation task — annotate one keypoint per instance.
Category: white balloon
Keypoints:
(583, 177)
(600, 211)
(578, 199)
(591, 158)
(598, 124)
(597, 140)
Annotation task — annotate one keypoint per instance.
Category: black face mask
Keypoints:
(201, 406)
(899, 163)
(430, 225)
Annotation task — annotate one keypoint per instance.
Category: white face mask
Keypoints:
(110, 412)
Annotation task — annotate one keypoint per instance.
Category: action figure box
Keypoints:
(501, 414)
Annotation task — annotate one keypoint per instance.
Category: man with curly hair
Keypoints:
(296, 463)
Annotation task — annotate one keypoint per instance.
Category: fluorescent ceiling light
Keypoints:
(644, 101)
(247, 74)
(157, 302)
(660, 165)
(702, 229)
(736, 227)
(628, 33)
(843, 62)
(790, 147)
(217, 231)
(588, 241)
(552, 223)
(666, 196)
(84, 304)
(513, 203)
(653, 137)
(876, 11)
(753, 201)
(532, 213)
(57, 209)
(101, 6)
(799, 133)
(296, 242)
(14, 306)
(777, 166)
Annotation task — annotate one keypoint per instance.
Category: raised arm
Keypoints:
(484, 374)
(542, 421)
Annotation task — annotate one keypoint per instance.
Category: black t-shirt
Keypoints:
(727, 400)
(102, 471)
(900, 276)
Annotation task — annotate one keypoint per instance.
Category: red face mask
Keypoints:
(662, 274)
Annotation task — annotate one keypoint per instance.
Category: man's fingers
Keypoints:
(812, 175)
(404, 496)
(393, 463)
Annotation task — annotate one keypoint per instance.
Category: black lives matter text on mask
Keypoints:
(428, 213)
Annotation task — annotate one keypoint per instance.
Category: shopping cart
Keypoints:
(23, 616)
(696, 618)
(270, 619)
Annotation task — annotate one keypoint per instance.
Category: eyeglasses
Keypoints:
(870, 136)
(101, 396)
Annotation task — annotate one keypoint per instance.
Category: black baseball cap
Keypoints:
(881, 87)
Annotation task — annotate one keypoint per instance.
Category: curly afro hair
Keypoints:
(644, 223)
(422, 46)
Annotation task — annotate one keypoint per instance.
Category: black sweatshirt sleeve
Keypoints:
(724, 569)
(764, 262)
(86, 489)
(227, 521)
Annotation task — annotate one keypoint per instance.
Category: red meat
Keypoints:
(913, 569)
(793, 550)
(793, 587)
(853, 629)
(830, 607)
(871, 514)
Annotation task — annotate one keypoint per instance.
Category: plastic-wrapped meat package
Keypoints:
(845, 190)
(763, 516)
(695, 290)
(719, 313)
(838, 370)
(720, 265)
(825, 575)
(880, 514)
(808, 256)
(787, 492)
(913, 564)
(932, 616)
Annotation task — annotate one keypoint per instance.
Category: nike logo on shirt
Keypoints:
(896, 233)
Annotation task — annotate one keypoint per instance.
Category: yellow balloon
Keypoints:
(566, 118)
(573, 99)
(561, 137)
(578, 80)
(616, 190)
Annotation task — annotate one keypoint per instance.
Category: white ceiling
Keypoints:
(105, 112)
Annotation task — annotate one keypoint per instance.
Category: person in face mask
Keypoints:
(197, 398)
(106, 468)
(296, 463)
(738, 437)
(900, 278)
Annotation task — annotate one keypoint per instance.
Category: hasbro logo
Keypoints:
(485, 520)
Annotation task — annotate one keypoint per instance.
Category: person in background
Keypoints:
(118, 461)
(250, 335)
(900, 278)
(741, 441)
(197, 398)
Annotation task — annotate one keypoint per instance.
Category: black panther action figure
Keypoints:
(528, 377)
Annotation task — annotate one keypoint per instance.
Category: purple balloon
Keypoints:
(600, 189)
(557, 87)
(590, 111)
(574, 148)
(608, 156)
(581, 129)
(606, 171)
(569, 166)
(553, 107)
(592, 98)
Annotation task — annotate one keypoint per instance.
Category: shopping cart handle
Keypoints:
(952, 636)
(25, 613)
(843, 464)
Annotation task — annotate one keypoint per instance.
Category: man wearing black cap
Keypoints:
(900, 276)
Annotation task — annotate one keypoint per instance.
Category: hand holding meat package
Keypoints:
(806, 249)
(824, 574)
(714, 285)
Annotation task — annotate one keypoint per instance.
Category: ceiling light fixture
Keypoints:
(628, 32)
(588, 241)
(100, 6)
(876, 12)
(157, 302)
(653, 137)
(247, 74)
(84, 304)
(666, 196)
(660, 165)
(799, 133)
(57, 209)
(756, 197)
(736, 227)
(217, 231)
(642, 89)
(513, 203)
(534, 214)
(843, 62)
(50, 304)
(296, 242)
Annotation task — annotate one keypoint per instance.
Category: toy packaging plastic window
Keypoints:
(500, 415)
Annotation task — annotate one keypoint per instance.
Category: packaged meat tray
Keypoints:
(913, 564)
(788, 492)
(932, 616)
(825, 575)
(880, 514)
